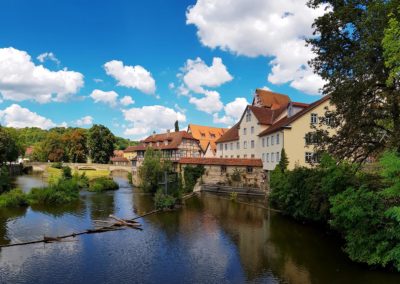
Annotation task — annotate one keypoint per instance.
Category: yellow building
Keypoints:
(295, 135)
(130, 153)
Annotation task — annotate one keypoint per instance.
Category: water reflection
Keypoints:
(209, 240)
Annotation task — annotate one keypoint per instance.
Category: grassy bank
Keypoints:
(100, 184)
(362, 206)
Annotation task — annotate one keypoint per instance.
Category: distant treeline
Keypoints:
(60, 144)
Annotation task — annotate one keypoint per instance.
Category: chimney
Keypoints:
(154, 134)
(168, 132)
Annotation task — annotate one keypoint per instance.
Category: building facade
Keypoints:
(207, 136)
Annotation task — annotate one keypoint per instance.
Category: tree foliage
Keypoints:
(176, 126)
(9, 148)
(357, 50)
(100, 143)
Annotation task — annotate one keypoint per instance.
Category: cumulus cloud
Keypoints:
(48, 56)
(196, 74)
(146, 119)
(100, 96)
(19, 117)
(209, 103)
(131, 76)
(266, 28)
(84, 121)
(21, 79)
(126, 101)
(233, 112)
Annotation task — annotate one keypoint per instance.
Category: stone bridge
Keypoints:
(81, 166)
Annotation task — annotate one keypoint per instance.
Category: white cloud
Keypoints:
(147, 119)
(126, 101)
(86, 120)
(196, 74)
(131, 76)
(266, 28)
(171, 86)
(97, 80)
(19, 117)
(233, 112)
(210, 103)
(104, 97)
(21, 79)
(48, 56)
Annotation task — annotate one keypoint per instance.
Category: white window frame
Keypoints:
(314, 118)
(253, 144)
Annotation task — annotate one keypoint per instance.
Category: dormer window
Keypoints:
(212, 136)
(203, 135)
(248, 115)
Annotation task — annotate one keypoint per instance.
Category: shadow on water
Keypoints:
(210, 240)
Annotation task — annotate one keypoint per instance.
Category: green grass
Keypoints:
(102, 184)
(13, 198)
(94, 174)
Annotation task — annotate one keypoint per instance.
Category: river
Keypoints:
(209, 240)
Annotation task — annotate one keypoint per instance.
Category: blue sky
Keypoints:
(257, 43)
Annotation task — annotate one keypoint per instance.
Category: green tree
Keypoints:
(9, 149)
(176, 126)
(391, 49)
(350, 58)
(284, 162)
(100, 144)
(53, 148)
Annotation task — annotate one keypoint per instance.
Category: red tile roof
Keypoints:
(298, 104)
(206, 135)
(119, 159)
(272, 100)
(231, 135)
(285, 122)
(222, 162)
(266, 116)
(174, 140)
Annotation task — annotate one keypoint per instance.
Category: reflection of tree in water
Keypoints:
(5, 216)
(74, 208)
(101, 205)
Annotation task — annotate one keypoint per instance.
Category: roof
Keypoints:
(231, 135)
(266, 116)
(119, 159)
(286, 121)
(29, 151)
(298, 104)
(272, 100)
(204, 135)
(174, 140)
(129, 149)
(222, 162)
(118, 153)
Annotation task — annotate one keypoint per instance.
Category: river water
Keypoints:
(209, 240)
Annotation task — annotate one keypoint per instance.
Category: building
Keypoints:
(173, 146)
(207, 136)
(120, 161)
(130, 153)
(242, 140)
(294, 133)
(271, 123)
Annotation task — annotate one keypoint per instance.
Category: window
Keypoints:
(226, 156)
(277, 138)
(244, 131)
(245, 156)
(308, 157)
(314, 118)
(263, 142)
(252, 130)
(231, 156)
(166, 142)
(272, 157)
(329, 121)
(238, 145)
(252, 156)
(221, 147)
(248, 115)
(249, 170)
(203, 135)
(277, 156)
(244, 144)
(231, 146)
(252, 144)
(312, 158)
(212, 136)
(226, 147)
(263, 157)
(272, 140)
(311, 138)
(267, 157)
(267, 141)
(238, 156)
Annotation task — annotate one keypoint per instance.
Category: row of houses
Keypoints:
(253, 145)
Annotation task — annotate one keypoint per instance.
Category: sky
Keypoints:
(138, 66)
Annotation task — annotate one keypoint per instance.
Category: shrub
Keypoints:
(66, 172)
(130, 178)
(191, 175)
(57, 165)
(164, 201)
(102, 184)
(61, 192)
(4, 179)
(13, 198)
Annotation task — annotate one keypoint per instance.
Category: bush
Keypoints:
(4, 179)
(102, 184)
(164, 201)
(13, 198)
(61, 192)
(191, 175)
(57, 165)
(66, 172)
(130, 178)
